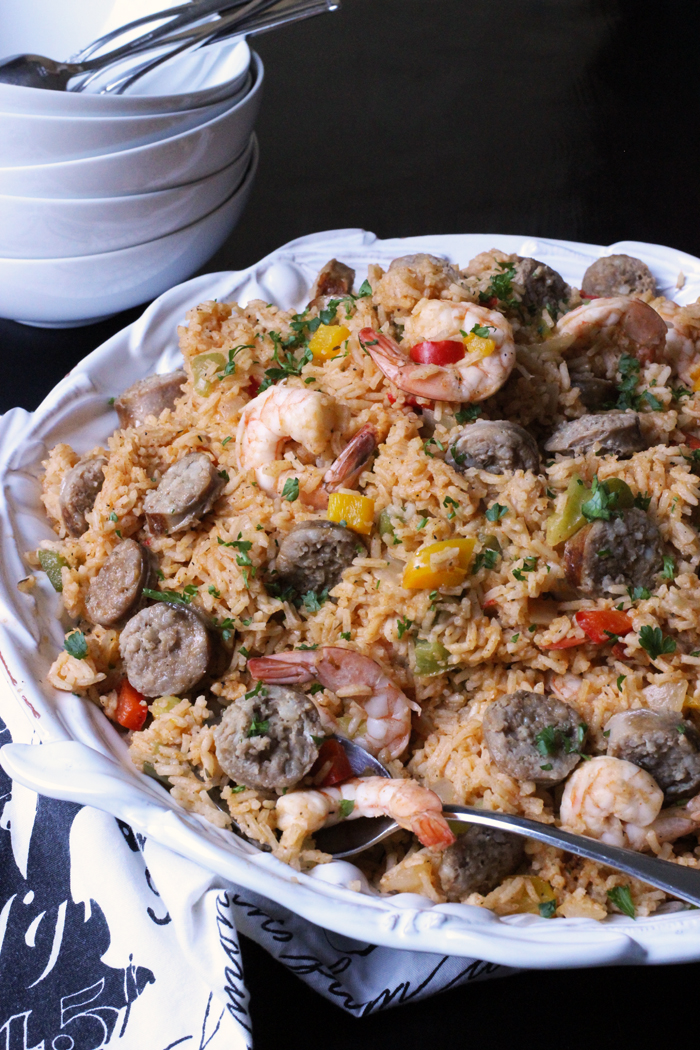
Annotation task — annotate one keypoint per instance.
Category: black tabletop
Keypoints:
(559, 118)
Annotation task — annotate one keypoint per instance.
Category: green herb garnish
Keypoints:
(496, 512)
(622, 899)
(290, 491)
(655, 642)
(76, 645)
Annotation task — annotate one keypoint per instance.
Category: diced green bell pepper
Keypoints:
(52, 562)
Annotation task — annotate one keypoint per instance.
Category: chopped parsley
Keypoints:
(226, 441)
(432, 441)
(551, 739)
(312, 601)
(345, 808)
(602, 504)
(315, 688)
(259, 690)
(622, 899)
(620, 680)
(482, 330)
(113, 517)
(487, 559)
(403, 624)
(449, 502)
(111, 400)
(496, 512)
(244, 652)
(468, 414)
(501, 286)
(421, 524)
(304, 648)
(258, 728)
(655, 642)
(515, 637)
(677, 392)
(230, 367)
(365, 289)
(547, 908)
(652, 401)
(285, 363)
(642, 501)
(605, 553)
(669, 569)
(529, 565)
(638, 594)
(346, 635)
(224, 475)
(290, 491)
(214, 591)
(628, 367)
(76, 645)
(174, 597)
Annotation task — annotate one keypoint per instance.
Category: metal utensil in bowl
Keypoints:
(351, 837)
(183, 32)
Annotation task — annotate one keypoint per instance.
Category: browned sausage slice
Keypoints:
(79, 490)
(266, 739)
(116, 590)
(666, 745)
(617, 275)
(478, 861)
(494, 445)
(335, 278)
(609, 433)
(313, 555)
(149, 397)
(533, 736)
(187, 491)
(626, 550)
(167, 650)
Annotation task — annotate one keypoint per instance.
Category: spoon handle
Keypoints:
(675, 879)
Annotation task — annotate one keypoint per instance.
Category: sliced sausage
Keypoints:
(626, 550)
(608, 433)
(334, 279)
(667, 746)
(79, 490)
(493, 445)
(167, 650)
(617, 275)
(478, 861)
(116, 590)
(592, 391)
(533, 736)
(313, 555)
(266, 739)
(542, 287)
(187, 491)
(149, 397)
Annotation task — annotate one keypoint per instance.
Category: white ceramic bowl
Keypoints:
(39, 228)
(160, 165)
(59, 30)
(29, 139)
(66, 291)
(101, 774)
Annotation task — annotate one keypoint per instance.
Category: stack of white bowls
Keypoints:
(108, 200)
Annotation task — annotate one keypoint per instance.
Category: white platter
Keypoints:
(86, 759)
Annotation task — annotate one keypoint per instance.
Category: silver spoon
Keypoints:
(351, 837)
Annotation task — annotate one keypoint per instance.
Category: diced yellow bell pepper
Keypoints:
(477, 347)
(357, 512)
(204, 368)
(327, 339)
(533, 892)
(420, 573)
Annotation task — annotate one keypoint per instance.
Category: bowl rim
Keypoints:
(127, 155)
(77, 408)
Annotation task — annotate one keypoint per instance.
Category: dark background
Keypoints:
(557, 118)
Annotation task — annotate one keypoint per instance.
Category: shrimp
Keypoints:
(348, 673)
(412, 806)
(682, 338)
(630, 324)
(605, 795)
(477, 376)
(308, 417)
(674, 822)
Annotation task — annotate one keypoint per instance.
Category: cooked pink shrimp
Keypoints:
(479, 374)
(682, 339)
(633, 326)
(605, 795)
(348, 673)
(309, 417)
(412, 806)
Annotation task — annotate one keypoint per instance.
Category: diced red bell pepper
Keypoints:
(601, 624)
(618, 651)
(332, 751)
(437, 352)
(691, 441)
(254, 386)
(131, 706)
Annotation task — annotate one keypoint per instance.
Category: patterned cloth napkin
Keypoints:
(100, 930)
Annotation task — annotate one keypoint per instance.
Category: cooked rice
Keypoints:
(496, 628)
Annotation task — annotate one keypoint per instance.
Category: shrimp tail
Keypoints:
(284, 668)
(432, 830)
(352, 460)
